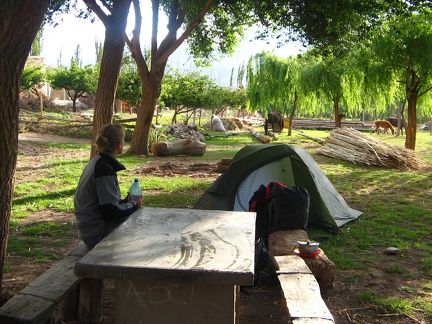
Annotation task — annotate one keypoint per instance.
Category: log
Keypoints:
(274, 135)
(284, 242)
(316, 139)
(262, 138)
(222, 167)
(189, 146)
(226, 161)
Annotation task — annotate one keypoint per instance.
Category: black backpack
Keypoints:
(277, 207)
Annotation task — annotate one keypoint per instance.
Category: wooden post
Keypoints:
(68, 307)
(90, 303)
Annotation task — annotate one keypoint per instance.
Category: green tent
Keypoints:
(258, 164)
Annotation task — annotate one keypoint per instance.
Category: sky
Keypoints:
(65, 37)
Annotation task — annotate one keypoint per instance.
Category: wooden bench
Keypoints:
(302, 280)
(56, 289)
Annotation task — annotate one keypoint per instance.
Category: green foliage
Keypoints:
(267, 85)
(129, 87)
(36, 45)
(219, 31)
(194, 90)
(190, 89)
(76, 80)
(32, 76)
(402, 50)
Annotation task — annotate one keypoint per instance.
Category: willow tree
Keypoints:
(275, 81)
(402, 48)
(333, 80)
(267, 86)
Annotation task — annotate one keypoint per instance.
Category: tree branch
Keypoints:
(91, 4)
(155, 22)
(425, 91)
(170, 44)
(134, 44)
(106, 5)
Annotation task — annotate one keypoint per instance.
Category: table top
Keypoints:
(192, 245)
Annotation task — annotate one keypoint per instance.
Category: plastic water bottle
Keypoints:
(135, 189)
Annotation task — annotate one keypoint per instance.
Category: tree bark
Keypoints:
(338, 122)
(145, 112)
(19, 24)
(411, 130)
(115, 26)
(293, 112)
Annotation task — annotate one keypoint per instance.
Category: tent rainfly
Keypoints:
(258, 164)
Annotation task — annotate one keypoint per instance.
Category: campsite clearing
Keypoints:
(370, 286)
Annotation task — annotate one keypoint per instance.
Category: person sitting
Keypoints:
(99, 208)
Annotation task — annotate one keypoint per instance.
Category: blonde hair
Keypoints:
(109, 136)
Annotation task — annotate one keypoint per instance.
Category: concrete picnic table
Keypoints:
(176, 265)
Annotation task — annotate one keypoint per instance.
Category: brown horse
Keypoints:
(394, 122)
(386, 125)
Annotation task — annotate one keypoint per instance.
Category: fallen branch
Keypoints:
(316, 139)
(262, 138)
(274, 135)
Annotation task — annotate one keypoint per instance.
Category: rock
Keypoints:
(392, 251)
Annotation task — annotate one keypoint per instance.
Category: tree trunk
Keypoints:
(74, 99)
(18, 27)
(338, 122)
(293, 112)
(112, 56)
(411, 130)
(39, 94)
(145, 113)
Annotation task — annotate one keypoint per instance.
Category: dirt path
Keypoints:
(47, 138)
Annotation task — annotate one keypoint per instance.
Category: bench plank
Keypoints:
(36, 302)
(54, 283)
(302, 297)
(312, 321)
(290, 264)
(26, 309)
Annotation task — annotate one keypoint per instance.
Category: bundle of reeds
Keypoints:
(354, 146)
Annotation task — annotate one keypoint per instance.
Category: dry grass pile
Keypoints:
(351, 145)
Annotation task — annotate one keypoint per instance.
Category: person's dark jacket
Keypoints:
(98, 198)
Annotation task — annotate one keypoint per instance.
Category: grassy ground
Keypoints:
(371, 286)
